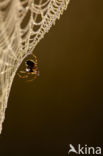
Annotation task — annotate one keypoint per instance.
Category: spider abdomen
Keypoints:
(30, 63)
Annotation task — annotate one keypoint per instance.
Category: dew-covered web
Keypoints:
(23, 23)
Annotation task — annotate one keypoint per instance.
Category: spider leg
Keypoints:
(22, 72)
(26, 76)
(32, 79)
(35, 58)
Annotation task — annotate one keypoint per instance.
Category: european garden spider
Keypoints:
(31, 69)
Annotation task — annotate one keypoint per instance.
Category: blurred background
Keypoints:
(65, 104)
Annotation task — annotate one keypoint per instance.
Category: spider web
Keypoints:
(23, 23)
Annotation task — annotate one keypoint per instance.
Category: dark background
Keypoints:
(65, 104)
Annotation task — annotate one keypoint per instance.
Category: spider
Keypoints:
(31, 69)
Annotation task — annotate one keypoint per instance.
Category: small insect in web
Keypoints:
(31, 70)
